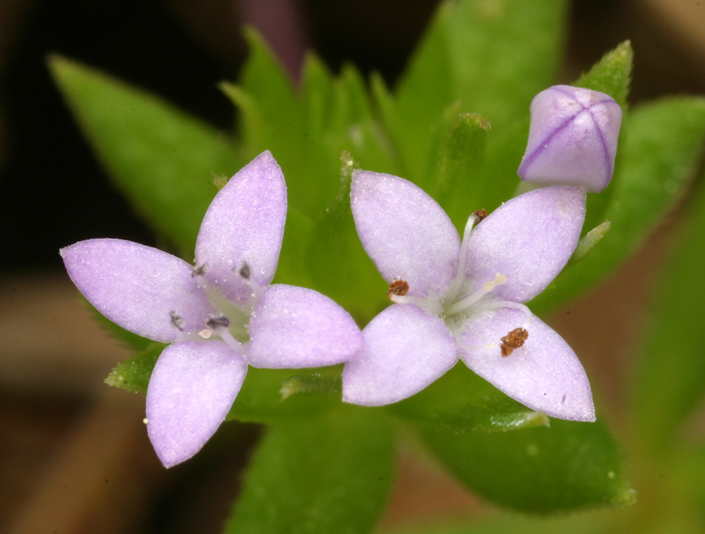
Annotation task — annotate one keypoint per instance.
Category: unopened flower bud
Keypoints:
(572, 139)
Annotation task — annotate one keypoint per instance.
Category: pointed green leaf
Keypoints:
(260, 400)
(498, 180)
(587, 243)
(569, 466)
(322, 475)
(272, 118)
(268, 102)
(612, 74)
(660, 156)
(486, 57)
(462, 401)
(160, 158)
(308, 384)
(126, 338)
(671, 379)
(306, 130)
(133, 374)
(336, 261)
(690, 469)
(511, 524)
(291, 268)
(462, 157)
(353, 121)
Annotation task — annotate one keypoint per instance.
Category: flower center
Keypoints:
(231, 320)
(458, 304)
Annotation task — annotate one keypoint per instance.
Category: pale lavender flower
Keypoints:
(572, 139)
(220, 315)
(458, 298)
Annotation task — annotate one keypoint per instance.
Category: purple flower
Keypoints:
(219, 316)
(465, 299)
(572, 139)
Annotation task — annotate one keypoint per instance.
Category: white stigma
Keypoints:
(457, 284)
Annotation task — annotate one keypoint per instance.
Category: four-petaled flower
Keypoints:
(219, 316)
(465, 298)
(572, 139)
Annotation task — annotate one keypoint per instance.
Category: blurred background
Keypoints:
(74, 454)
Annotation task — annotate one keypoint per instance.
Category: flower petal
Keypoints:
(528, 239)
(406, 349)
(142, 289)
(405, 232)
(295, 327)
(573, 138)
(190, 392)
(244, 226)
(543, 374)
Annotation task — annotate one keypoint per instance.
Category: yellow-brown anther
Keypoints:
(513, 340)
(397, 287)
(480, 214)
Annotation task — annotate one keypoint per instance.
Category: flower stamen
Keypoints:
(431, 306)
(397, 287)
(471, 299)
(215, 322)
(244, 271)
(177, 321)
(480, 214)
(513, 340)
(230, 340)
(462, 257)
(199, 270)
(509, 304)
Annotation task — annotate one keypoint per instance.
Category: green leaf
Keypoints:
(272, 117)
(261, 401)
(462, 155)
(161, 159)
(587, 243)
(462, 401)
(671, 379)
(291, 268)
(133, 374)
(689, 466)
(660, 156)
(498, 179)
(306, 130)
(569, 466)
(484, 57)
(335, 259)
(323, 475)
(612, 74)
(307, 384)
(125, 337)
(506, 524)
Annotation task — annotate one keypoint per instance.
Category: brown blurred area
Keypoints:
(74, 455)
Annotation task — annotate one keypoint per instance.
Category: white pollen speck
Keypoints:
(144, 420)
(205, 333)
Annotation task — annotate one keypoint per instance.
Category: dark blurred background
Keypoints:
(74, 454)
